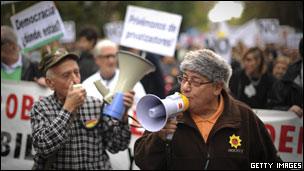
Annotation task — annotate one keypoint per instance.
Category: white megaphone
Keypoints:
(132, 69)
(153, 112)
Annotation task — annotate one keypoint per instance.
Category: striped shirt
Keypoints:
(57, 135)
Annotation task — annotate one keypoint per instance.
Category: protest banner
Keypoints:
(113, 30)
(69, 32)
(38, 25)
(286, 130)
(241, 34)
(150, 30)
(17, 98)
(269, 30)
(293, 40)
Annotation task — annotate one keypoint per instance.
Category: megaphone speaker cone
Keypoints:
(151, 113)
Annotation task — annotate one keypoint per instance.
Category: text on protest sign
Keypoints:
(150, 30)
(113, 30)
(38, 25)
(269, 30)
(17, 99)
(286, 132)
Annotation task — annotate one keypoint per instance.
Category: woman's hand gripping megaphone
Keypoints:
(169, 129)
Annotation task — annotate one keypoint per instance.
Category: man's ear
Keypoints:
(49, 83)
(218, 87)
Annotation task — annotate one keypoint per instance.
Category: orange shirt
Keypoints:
(205, 125)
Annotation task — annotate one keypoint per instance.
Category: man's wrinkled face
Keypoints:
(62, 75)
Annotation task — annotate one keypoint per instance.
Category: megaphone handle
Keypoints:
(170, 136)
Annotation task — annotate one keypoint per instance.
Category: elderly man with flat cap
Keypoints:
(68, 128)
(216, 132)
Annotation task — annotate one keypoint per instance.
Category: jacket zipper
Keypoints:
(207, 161)
(208, 146)
(212, 132)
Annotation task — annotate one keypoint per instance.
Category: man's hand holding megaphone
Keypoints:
(128, 102)
(75, 97)
(127, 78)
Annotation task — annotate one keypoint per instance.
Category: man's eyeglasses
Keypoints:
(107, 56)
(196, 83)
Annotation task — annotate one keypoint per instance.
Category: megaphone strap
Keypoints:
(134, 119)
(135, 126)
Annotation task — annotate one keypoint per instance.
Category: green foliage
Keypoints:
(194, 13)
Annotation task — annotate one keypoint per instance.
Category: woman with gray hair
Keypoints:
(216, 132)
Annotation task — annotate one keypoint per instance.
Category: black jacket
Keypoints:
(285, 92)
(189, 151)
(87, 65)
(239, 81)
(29, 70)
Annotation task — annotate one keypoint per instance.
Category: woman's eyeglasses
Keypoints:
(196, 83)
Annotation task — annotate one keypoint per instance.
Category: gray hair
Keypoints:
(209, 64)
(8, 35)
(102, 44)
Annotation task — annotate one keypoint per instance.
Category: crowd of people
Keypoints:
(221, 97)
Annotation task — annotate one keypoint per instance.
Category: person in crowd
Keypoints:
(68, 129)
(280, 66)
(235, 59)
(14, 65)
(270, 55)
(287, 93)
(252, 84)
(169, 65)
(217, 131)
(105, 53)
(86, 42)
